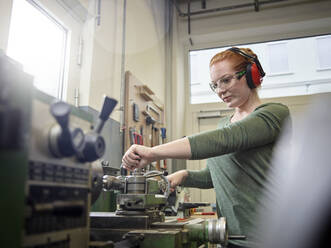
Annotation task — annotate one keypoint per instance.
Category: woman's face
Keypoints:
(235, 92)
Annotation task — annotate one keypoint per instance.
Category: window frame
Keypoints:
(58, 83)
(62, 76)
(318, 67)
(273, 74)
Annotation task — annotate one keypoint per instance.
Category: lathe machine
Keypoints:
(140, 221)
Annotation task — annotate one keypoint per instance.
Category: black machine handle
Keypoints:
(94, 144)
(107, 108)
(123, 171)
(61, 111)
(64, 141)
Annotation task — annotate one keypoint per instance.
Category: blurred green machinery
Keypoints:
(139, 220)
(15, 112)
(46, 151)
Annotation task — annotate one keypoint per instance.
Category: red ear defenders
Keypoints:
(254, 70)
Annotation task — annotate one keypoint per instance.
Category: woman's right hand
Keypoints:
(175, 179)
(137, 156)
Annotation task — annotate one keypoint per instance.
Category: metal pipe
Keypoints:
(189, 16)
(123, 71)
(80, 51)
(168, 69)
(99, 12)
(76, 97)
(224, 8)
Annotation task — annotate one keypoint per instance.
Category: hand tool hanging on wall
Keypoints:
(135, 138)
(150, 120)
(135, 112)
(131, 135)
(142, 133)
(138, 139)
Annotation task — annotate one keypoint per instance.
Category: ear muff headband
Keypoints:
(254, 71)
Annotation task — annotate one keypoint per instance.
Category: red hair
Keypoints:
(240, 62)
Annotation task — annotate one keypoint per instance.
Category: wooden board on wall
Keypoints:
(141, 104)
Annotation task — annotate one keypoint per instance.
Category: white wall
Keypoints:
(144, 49)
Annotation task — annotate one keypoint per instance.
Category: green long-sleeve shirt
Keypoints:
(239, 158)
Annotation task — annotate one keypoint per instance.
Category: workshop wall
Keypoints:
(103, 46)
(144, 43)
(100, 71)
(145, 48)
(282, 20)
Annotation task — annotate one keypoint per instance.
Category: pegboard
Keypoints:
(144, 115)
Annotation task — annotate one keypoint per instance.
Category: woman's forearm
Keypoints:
(178, 149)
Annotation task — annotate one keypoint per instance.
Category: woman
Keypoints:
(238, 151)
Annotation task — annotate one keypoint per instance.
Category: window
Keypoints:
(38, 41)
(278, 58)
(199, 65)
(293, 67)
(324, 52)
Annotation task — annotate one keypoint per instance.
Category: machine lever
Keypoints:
(61, 111)
(107, 108)
(63, 140)
(123, 171)
(94, 144)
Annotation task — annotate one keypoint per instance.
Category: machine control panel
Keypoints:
(58, 183)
